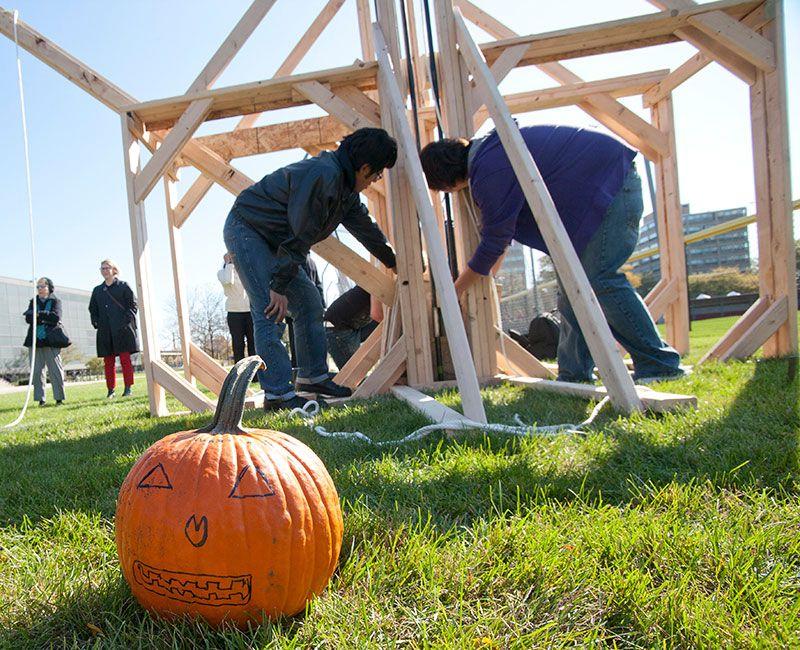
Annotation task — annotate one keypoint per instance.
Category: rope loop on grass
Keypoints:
(311, 409)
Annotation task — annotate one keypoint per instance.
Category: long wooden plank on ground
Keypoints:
(587, 310)
(763, 327)
(187, 394)
(437, 258)
(386, 373)
(254, 97)
(435, 411)
(362, 361)
(651, 400)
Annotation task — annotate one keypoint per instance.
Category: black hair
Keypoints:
(370, 146)
(49, 283)
(445, 162)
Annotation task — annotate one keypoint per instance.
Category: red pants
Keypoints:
(111, 370)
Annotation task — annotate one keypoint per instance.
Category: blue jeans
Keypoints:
(255, 263)
(627, 315)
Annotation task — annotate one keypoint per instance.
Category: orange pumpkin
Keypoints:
(226, 523)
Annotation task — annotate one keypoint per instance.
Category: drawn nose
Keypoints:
(196, 530)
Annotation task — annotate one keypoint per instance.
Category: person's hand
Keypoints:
(277, 307)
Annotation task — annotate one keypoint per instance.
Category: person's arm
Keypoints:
(93, 313)
(366, 231)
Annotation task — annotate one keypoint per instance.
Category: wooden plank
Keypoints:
(612, 36)
(176, 255)
(576, 284)
(333, 104)
(762, 328)
(427, 405)
(372, 280)
(604, 108)
(739, 328)
(362, 361)
(479, 298)
(437, 258)
(142, 266)
(669, 221)
(183, 391)
(755, 20)
(254, 97)
(516, 360)
(170, 147)
(231, 45)
(651, 400)
(322, 20)
(386, 373)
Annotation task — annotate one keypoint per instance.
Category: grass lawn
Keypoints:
(680, 530)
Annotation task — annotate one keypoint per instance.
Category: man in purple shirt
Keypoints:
(598, 195)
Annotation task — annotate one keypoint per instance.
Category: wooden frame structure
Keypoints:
(745, 36)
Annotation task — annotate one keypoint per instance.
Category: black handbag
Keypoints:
(56, 337)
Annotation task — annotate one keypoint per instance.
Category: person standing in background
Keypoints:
(48, 315)
(240, 321)
(113, 308)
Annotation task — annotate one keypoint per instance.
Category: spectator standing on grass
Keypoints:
(113, 308)
(237, 305)
(48, 316)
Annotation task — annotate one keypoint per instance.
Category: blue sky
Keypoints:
(155, 49)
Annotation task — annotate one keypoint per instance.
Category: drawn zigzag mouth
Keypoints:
(197, 588)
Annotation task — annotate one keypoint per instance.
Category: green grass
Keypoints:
(680, 530)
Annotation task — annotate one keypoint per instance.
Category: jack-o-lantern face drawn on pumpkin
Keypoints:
(226, 523)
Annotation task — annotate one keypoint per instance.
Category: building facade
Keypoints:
(731, 250)
(14, 298)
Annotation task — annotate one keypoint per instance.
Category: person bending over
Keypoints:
(270, 230)
(598, 194)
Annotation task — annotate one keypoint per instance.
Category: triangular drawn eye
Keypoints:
(251, 482)
(156, 478)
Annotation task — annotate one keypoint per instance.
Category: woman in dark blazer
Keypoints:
(113, 311)
(48, 314)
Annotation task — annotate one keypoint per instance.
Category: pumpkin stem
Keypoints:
(230, 405)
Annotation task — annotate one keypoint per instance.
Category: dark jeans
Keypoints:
(256, 262)
(240, 324)
(627, 315)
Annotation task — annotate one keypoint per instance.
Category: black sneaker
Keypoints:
(126, 392)
(326, 387)
(111, 394)
(295, 402)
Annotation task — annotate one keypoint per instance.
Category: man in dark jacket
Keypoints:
(270, 231)
(598, 195)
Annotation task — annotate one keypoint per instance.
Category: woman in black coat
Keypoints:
(113, 311)
(48, 315)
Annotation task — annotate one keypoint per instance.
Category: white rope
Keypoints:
(310, 410)
(30, 223)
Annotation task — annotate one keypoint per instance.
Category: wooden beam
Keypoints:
(362, 361)
(187, 394)
(739, 328)
(755, 20)
(255, 97)
(762, 329)
(612, 36)
(651, 400)
(565, 259)
(386, 373)
(170, 148)
(142, 266)
(603, 107)
(427, 405)
(437, 258)
(371, 279)
(333, 104)
(516, 360)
